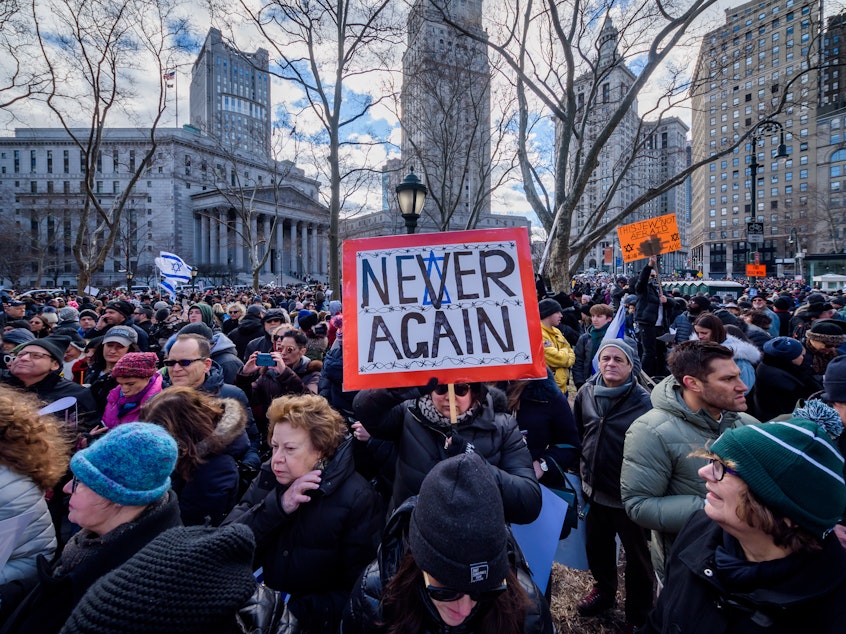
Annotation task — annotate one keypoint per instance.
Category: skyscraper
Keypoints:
(760, 64)
(230, 96)
(446, 120)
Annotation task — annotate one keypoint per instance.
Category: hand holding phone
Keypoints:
(265, 360)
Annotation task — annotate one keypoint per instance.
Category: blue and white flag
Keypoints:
(174, 270)
(616, 330)
(173, 267)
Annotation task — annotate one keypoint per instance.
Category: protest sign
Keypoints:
(649, 237)
(457, 306)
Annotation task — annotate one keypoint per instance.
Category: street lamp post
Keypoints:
(764, 127)
(194, 272)
(129, 277)
(796, 246)
(411, 196)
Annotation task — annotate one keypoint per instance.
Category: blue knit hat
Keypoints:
(131, 465)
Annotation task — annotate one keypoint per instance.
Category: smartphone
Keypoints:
(264, 360)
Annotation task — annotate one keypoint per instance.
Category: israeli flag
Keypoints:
(172, 267)
(616, 330)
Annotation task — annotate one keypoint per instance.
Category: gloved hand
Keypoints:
(456, 445)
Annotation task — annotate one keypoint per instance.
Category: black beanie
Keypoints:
(548, 307)
(197, 328)
(457, 532)
(56, 345)
(188, 579)
(124, 308)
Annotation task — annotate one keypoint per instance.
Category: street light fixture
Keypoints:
(764, 127)
(129, 277)
(411, 196)
(194, 272)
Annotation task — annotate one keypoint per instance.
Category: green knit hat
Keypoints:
(792, 467)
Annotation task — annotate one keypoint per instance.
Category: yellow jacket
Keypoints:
(559, 355)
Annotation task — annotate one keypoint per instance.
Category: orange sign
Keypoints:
(756, 270)
(459, 306)
(649, 237)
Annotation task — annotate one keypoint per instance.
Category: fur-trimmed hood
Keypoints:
(743, 350)
(230, 428)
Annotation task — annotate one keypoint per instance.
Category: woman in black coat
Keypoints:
(546, 421)
(212, 438)
(441, 569)
(761, 556)
(316, 521)
(419, 424)
(781, 379)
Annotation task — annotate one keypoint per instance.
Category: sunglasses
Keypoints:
(182, 363)
(234, 312)
(74, 484)
(288, 349)
(448, 595)
(460, 389)
(719, 469)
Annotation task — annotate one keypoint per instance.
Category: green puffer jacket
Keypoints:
(659, 483)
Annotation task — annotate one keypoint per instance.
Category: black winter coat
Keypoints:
(49, 605)
(494, 434)
(331, 384)
(249, 328)
(53, 387)
(317, 553)
(697, 599)
(648, 298)
(363, 614)
(546, 420)
(779, 384)
(603, 437)
(212, 490)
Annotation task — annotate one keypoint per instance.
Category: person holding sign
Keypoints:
(426, 431)
(650, 316)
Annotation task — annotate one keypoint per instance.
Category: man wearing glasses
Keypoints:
(659, 482)
(36, 367)
(189, 364)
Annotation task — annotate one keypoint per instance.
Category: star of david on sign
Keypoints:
(674, 237)
(628, 248)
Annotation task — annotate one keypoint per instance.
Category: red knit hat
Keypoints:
(136, 364)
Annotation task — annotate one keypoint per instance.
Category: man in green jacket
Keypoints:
(703, 397)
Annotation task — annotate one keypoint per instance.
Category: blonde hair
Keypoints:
(30, 444)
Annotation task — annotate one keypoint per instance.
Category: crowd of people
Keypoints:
(154, 447)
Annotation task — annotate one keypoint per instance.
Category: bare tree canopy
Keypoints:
(98, 56)
(321, 47)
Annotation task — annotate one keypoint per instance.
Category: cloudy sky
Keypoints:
(288, 101)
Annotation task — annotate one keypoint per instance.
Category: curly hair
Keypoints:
(31, 444)
(325, 426)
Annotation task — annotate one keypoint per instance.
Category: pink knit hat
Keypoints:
(136, 364)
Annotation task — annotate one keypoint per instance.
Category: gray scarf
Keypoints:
(605, 396)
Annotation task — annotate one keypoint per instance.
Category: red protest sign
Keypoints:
(460, 306)
(649, 237)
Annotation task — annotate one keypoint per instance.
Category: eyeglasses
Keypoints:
(448, 595)
(182, 363)
(273, 321)
(719, 469)
(234, 312)
(32, 355)
(460, 389)
(74, 484)
(288, 349)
